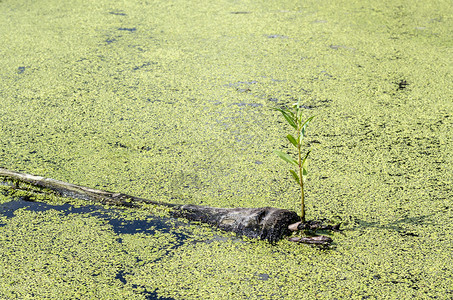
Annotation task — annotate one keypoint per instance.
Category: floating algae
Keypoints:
(177, 110)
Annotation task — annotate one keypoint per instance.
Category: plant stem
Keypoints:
(301, 178)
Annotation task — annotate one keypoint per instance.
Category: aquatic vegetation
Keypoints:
(179, 115)
(295, 120)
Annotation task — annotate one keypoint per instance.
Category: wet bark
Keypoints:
(265, 223)
(314, 225)
(70, 190)
(310, 228)
(315, 240)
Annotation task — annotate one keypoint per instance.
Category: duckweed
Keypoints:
(170, 101)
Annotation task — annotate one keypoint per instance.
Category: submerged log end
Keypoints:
(317, 240)
(266, 223)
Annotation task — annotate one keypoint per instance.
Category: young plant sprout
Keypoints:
(295, 120)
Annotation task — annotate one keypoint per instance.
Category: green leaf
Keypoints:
(305, 167)
(304, 174)
(296, 178)
(292, 140)
(290, 113)
(305, 158)
(304, 127)
(288, 117)
(294, 118)
(286, 157)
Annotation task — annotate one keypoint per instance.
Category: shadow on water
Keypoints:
(405, 226)
(149, 295)
(119, 225)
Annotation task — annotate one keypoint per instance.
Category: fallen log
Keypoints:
(266, 223)
(316, 240)
(70, 190)
(314, 225)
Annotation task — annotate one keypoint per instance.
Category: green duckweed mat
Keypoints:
(170, 101)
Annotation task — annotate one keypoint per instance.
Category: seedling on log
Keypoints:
(265, 223)
(295, 120)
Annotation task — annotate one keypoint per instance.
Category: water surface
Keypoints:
(171, 101)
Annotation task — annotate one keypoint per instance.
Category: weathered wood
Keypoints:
(70, 190)
(316, 240)
(266, 223)
(314, 225)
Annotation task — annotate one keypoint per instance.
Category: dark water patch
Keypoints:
(117, 13)
(242, 86)
(119, 225)
(314, 103)
(20, 70)
(180, 239)
(262, 276)
(8, 208)
(236, 84)
(402, 84)
(149, 295)
(109, 41)
(248, 104)
(118, 145)
(144, 65)
(120, 277)
(277, 36)
(405, 233)
(128, 29)
(336, 47)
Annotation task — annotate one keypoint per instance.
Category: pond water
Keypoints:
(171, 101)
(119, 225)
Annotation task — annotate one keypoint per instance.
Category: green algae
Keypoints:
(170, 101)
